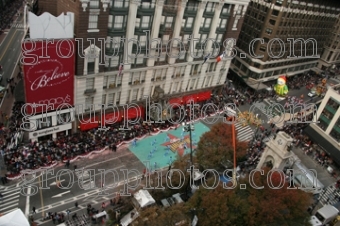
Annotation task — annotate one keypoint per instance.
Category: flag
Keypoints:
(120, 69)
(206, 58)
(219, 58)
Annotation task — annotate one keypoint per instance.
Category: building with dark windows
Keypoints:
(97, 79)
(331, 53)
(280, 23)
(326, 132)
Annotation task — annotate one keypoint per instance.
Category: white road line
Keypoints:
(27, 209)
(8, 211)
(6, 199)
(5, 203)
(14, 205)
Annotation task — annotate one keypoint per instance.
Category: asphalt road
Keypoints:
(10, 50)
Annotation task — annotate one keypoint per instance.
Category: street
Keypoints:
(10, 50)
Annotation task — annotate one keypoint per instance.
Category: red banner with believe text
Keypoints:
(48, 73)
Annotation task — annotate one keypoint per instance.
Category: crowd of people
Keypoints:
(8, 11)
(35, 154)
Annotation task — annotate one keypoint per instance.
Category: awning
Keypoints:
(85, 125)
(256, 85)
(197, 97)
(327, 146)
(113, 117)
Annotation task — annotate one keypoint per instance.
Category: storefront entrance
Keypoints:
(45, 138)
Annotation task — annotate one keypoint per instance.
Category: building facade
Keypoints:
(97, 80)
(326, 131)
(331, 52)
(280, 24)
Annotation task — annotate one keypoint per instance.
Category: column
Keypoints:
(96, 60)
(209, 45)
(177, 29)
(130, 32)
(197, 25)
(156, 23)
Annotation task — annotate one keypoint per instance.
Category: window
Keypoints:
(118, 97)
(279, 2)
(105, 80)
(112, 80)
(88, 103)
(269, 31)
(121, 3)
(111, 98)
(272, 22)
(140, 59)
(189, 22)
(210, 7)
(207, 22)
(192, 6)
(219, 38)
(109, 24)
(94, 4)
(89, 83)
(239, 10)
(141, 39)
(207, 81)
(226, 9)
(93, 21)
(119, 22)
(168, 22)
(145, 21)
(275, 12)
(192, 84)
(235, 23)
(223, 23)
(134, 94)
(63, 118)
(44, 123)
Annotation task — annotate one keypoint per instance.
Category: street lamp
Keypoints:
(188, 128)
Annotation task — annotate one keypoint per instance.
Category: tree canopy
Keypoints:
(215, 148)
(250, 206)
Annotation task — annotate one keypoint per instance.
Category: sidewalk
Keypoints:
(9, 99)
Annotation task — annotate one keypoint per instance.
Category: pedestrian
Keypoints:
(33, 210)
(76, 204)
(103, 206)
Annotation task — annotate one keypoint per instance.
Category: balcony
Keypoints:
(90, 91)
(178, 75)
(136, 82)
(158, 78)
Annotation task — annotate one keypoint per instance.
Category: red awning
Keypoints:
(175, 101)
(190, 98)
(112, 118)
(84, 126)
(204, 96)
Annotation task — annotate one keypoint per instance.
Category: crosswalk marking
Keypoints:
(10, 200)
(244, 133)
